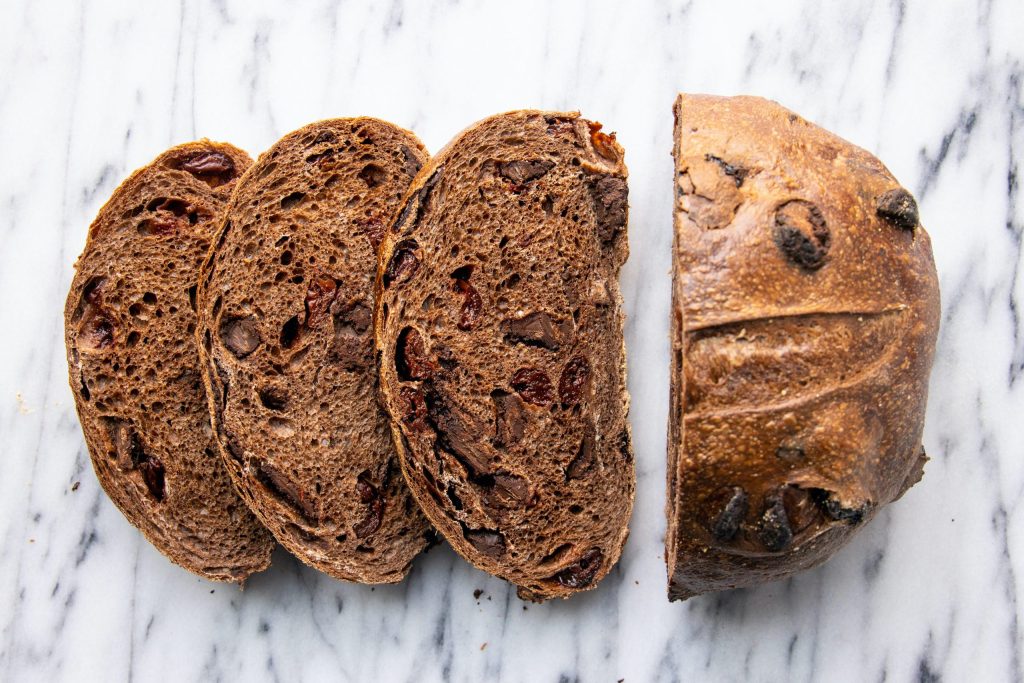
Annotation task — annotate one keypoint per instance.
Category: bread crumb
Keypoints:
(477, 593)
(22, 406)
(483, 646)
(74, 487)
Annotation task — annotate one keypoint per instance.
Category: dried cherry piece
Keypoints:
(509, 418)
(899, 208)
(729, 519)
(414, 408)
(213, 168)
(604, 144)
(370, 496)
(472, 304)
(374, 229)
(403, 263)
(411, 360)
(573, 382)
(153, 475)
(774, 529)
(581, 573)
(241, 336)
(802, 234)
(486, 541)
(533, 385)
(319, 296)
(533, 329)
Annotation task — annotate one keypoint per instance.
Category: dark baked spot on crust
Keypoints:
(802, 234)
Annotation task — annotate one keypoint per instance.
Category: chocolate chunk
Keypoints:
(456, 433)
(802, 234)
(503, 491)
(534, 329)
(509, 418)
(573, 382)
(728, 521)
(520, 172)
(581, 573)
(487, 542)
(609, 195)
(289, 493)
(319, 297)
(373, 175)
(533, 385)
(403, 263)
(831, 506)
(412, 164)
(240, 335)
(774, 530)
(899, 208)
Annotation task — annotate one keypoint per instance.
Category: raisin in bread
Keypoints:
(805, 314)
(285, 306)
(129, 324)
(499, 335)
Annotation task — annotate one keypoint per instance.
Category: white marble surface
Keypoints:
(91, 90)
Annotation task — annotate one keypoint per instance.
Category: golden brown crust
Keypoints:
(805, 313)
(128, 327)
(498, 282)
(285, 305)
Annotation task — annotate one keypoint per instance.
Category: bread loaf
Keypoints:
(805, 314)
(284, 333)
(499, 335)
(129, 324)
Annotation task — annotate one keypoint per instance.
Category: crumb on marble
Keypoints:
(74, 487)
(483, 647)
(477, 593)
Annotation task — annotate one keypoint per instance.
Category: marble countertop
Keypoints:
(931, 589)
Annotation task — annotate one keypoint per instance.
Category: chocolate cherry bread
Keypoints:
(285, 305)
(129, 323)
(805, 314)
(499, 338)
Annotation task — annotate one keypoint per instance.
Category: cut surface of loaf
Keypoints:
(129, 325)
(499, 334)
(805, 314)
(285, 306)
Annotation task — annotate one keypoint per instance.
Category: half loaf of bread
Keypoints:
(804, 318)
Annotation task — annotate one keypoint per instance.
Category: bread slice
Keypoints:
(284, 334)
(499, 334)
(129, 324)
(805, 314)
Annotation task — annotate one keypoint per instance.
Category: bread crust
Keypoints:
(285, 303)
(805, 314)
(498, 331)
(133, 370)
